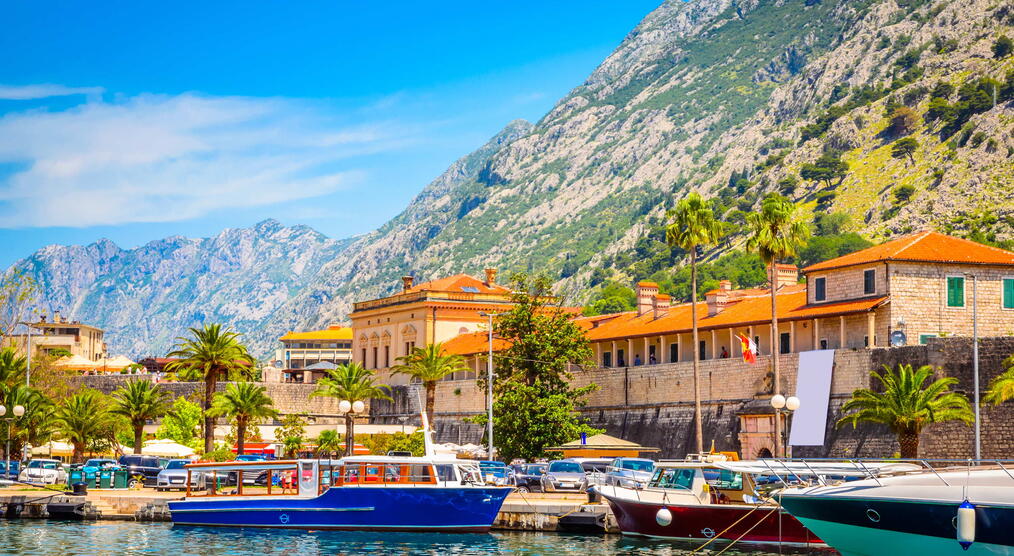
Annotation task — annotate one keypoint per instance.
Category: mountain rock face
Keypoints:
(730, 98)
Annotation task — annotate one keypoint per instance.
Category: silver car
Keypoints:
(174, 475)
(630, 472)
(564, 476)
(45, 471)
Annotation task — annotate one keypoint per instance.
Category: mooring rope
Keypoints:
(747, 532)
(724, 531)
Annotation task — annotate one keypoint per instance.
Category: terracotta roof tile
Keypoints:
(926, 246)
(472, 343)
(457, 283)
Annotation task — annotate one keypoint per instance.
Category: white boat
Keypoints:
(926, 512)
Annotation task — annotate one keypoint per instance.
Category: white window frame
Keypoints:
(1002, 279)
(964, 292)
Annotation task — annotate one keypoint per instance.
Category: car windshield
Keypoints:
(536, 470)
(36, 464)
(177, 464)
(565, 467)
(635, 465)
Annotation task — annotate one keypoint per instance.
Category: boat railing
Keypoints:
(820, 470)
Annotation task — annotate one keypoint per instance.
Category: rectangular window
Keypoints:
(375, 361)
(607, 359)
(702, 350)
(823, 343)
(364, 362)
(387, 356)
(955, 291)
(1008, 293)
(620, 360)
(819, 289)
(674, 352)
(924, 338)
(870, 281)
(785, 343)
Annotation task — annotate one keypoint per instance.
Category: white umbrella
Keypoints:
(166, 448)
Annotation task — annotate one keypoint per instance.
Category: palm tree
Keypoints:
(428, 364)
(328, 442)
(1001, 388)
(83, 418)
(140, 401)
(36, 425)
(211, 352)
(905, 406)
(694, 225)
(246, 403)
(776, 233)
(12, 367)
(350, 382)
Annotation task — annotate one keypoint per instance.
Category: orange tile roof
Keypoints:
(926, 246)
(472, 343)
(456, 283)
(331, 333)
(749, 310)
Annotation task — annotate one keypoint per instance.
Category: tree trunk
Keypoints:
(350, 434)
(909, 443)
(78, 455)
(775, 341)
(431, 397)
(241, 436)
(138, 437)
(210, 383)
(698, 426)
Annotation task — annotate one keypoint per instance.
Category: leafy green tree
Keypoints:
(693, 226)
(787, 185)
(351, 382)
(12, 367)
(1001, 388)
(940, 109)
(905, 147)
(210, 352)
(612, 298)
(827, 168)
(292, 445)
(84, 418)
(532, 374)
(36, 425)
(140, 401)
(246, 404)
(906, 406)
(824, 247)
(776, 233)
(831, 223)
(429, 364)
(903, 193)
(292, 425)
(904, 120)
(180, 424)
(1003, 46)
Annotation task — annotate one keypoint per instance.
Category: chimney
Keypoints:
(786, 275)
(490, 276)
(720, 298)
(646, 292)
(406, 283)
(662, 302)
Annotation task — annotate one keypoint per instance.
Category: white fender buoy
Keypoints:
(966, 524)
(663, 517)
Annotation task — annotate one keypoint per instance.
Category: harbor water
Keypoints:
(38, 537)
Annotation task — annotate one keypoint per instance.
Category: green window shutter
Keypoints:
(1008, 293)
(955, 291)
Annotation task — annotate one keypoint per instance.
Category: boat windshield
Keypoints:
(637, 465)
(671, 477)
(495, 468)
(565, 467)
(724, 479)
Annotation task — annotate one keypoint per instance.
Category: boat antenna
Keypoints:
(430, 451)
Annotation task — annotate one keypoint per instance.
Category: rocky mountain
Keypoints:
(898, 113)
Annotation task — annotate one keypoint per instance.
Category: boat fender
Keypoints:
(663, 517)
(966, 524)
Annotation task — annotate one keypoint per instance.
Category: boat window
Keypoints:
(393, 473)
(351, 473)
(725, 479)
(421, 473)
(673, 478)
(446, 473)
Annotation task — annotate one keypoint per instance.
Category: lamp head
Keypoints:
(778, 401)
(792, 403)
(19, 410)
(344, 406)
(358, 406)
(3, 411)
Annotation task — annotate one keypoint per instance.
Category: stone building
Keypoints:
(60, 334)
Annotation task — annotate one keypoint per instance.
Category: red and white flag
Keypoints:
(749, 348)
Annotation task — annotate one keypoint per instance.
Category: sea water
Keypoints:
(29, 536)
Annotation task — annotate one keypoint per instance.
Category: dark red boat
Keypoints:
(702, 500)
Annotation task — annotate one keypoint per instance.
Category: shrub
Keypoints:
(903, 121)
(903, 193)
(903, 148)
(942, 90)
(1003, 46)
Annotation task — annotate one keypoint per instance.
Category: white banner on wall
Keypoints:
(813, 388)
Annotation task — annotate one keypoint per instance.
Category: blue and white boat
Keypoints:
(388, 493)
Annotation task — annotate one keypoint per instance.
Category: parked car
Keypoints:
(564, 475)
(248, 478)
(93, 466)
(495, 472)
(630, 472)
(528, 476)
(145, 467)
(594, 465)
(175, 476)
(45, 471)
(15, 468)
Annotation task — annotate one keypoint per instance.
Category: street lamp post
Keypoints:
(489, 386)
(349, 410)
(19, 410)
(790, 404)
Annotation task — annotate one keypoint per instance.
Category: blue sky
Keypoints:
(139, 120)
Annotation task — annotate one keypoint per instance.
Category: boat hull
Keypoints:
(764, 524)
(872, 526)
(385, 508)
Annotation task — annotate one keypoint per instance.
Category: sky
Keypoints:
(135, 121)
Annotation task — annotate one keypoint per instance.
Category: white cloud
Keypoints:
(156, 158)
(30, 92)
